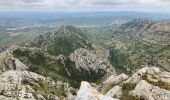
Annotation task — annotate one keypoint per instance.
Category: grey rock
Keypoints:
(19, 65)
(150, 92)
(115, 92)
(53, 97)
(86, 92)
(10, 84)
(112, 81)
(89, 60)
(153, 74)
(40, 97)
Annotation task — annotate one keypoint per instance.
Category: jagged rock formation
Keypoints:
(7, 61)
(147, 30)
(153, 74)
(149, 83)
(112, 81)
(64, 41)
(149, 92)
(87, 92)
(11, 84)
(89, 60)
(19, 65)
(115, 92)
(54, 64)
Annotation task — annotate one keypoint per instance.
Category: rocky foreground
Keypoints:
(148, 83)
(81, 70)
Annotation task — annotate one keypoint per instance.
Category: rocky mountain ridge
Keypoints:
(66, 69)
(54, 65)
(147, 30)
(149, 83)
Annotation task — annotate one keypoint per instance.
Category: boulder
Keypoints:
(150, 92)
(115, 92)
(19, 65)
(11, 84)
(135, 78)
(40, 97)
(112, 81)
(86, 92)
(152, 74)
(53, 97)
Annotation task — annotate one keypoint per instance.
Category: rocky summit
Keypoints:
(129, 62)
(146, 84)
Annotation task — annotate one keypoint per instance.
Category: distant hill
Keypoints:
(147, 30)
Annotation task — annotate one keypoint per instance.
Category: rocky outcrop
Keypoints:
(153, 74)
(145, 30)
(5, 61)
(40, 97)
(86, 92)
(8, 62)
(11, 84)
(53, 97)
(149, 92)
(89, 60)
(115, 92)
(19, 65)
(31, 75)
(112, 81)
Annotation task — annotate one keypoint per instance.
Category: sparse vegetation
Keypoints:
(126, 89)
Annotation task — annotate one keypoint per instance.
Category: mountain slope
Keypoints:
(148, 83)
(64, 41)
(60, 52)
(147, 30)
(139, 42)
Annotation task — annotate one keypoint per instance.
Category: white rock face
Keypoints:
(113, 80)
(153, 74)
(86, 92)
(53, 97)
(150, 92)
(89, 60)
(31, 75)
(115, 92)
(10, 80)
(40, 97)
(5, 61)
(135, 78)
(19, 65)
(6, 98)
(10, 84)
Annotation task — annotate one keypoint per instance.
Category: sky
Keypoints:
(86, 5)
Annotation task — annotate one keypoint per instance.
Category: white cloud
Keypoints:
(83, 5)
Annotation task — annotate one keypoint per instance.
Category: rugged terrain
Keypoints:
(129, 62)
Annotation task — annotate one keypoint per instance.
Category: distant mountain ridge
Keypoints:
(130, 62)
(147, 30)
(64, 41)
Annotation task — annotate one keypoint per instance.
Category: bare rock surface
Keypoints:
(150, 92)
(112, 81)
(115, 92)
(153, 74)
(89, 60)
(11, 84)
(19, 65)
(86, 92)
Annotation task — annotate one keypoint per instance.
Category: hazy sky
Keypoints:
(86, 5)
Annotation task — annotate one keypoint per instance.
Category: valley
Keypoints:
(85, 58)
